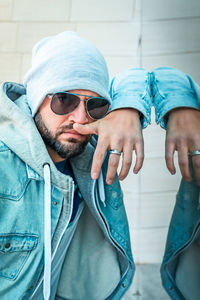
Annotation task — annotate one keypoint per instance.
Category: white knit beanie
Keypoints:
(65, 62)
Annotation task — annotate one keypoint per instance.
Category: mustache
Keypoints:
(64, 128)
(67, 127)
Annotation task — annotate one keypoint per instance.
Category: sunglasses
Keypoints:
(63, 103)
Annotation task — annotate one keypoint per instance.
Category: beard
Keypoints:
(71, 148)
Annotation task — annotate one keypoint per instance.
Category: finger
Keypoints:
(183, 162)
(169, 155)
(196, 165)
(126, 161)
(98, 158)
(87, 128)
(139, 150)
(113, 163)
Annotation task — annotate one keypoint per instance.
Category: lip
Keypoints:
(72, 133)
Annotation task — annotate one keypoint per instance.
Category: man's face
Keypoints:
(57, 131)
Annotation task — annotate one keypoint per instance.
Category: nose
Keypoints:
(79, 115)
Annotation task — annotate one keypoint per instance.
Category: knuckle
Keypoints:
(127, 162)
(196, 164)
(138, 140)
(194, 137)
(181, 140)
(113, 163)
(118, 139)
(182, 163)
(130, 139)
(99, 154)
(170, 140)
(168, 158)
(140, 156)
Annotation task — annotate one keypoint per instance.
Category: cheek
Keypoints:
(51, 121)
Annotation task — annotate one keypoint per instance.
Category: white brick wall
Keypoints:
(95, 10)
(170, 9)
(5, 10)
(112, 38)
(29, 33)
(10, 66)
(187, 62)
(42, 11)
(8, 37)
(170, 36)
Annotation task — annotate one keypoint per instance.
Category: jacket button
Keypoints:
(123, 285)
(55, 202)
(12, 275)
(171, 288)
(7, 245)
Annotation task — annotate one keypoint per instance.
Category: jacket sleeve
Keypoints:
(130, 89)
(171, 89)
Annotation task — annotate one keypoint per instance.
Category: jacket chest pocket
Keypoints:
(13, 176)
(14, 252)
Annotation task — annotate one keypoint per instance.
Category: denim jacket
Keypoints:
(167, 88)
(22, 157)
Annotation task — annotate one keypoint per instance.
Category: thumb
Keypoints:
(87, 128)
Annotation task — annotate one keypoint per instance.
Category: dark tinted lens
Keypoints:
(63, 103)
(97, 107)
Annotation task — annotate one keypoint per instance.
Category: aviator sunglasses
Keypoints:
(63, 103)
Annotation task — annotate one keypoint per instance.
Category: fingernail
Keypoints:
(94, 176)
(188, 179)
(109, 181)
(172, 171)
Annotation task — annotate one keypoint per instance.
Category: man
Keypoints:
(63, 234)
(91, 256)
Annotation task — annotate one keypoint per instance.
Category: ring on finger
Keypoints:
(195, 152)
(114, 151)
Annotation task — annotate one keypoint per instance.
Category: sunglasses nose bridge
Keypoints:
(80, 114)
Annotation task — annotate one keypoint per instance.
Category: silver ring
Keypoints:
(196, 152)
(115, 152)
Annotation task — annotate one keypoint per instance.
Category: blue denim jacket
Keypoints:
(167, 88)
(22, 155)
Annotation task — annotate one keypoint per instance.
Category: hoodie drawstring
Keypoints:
(101, 189)
(47, 232)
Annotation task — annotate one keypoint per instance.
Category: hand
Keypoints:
(183, 135)
(120, 130)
